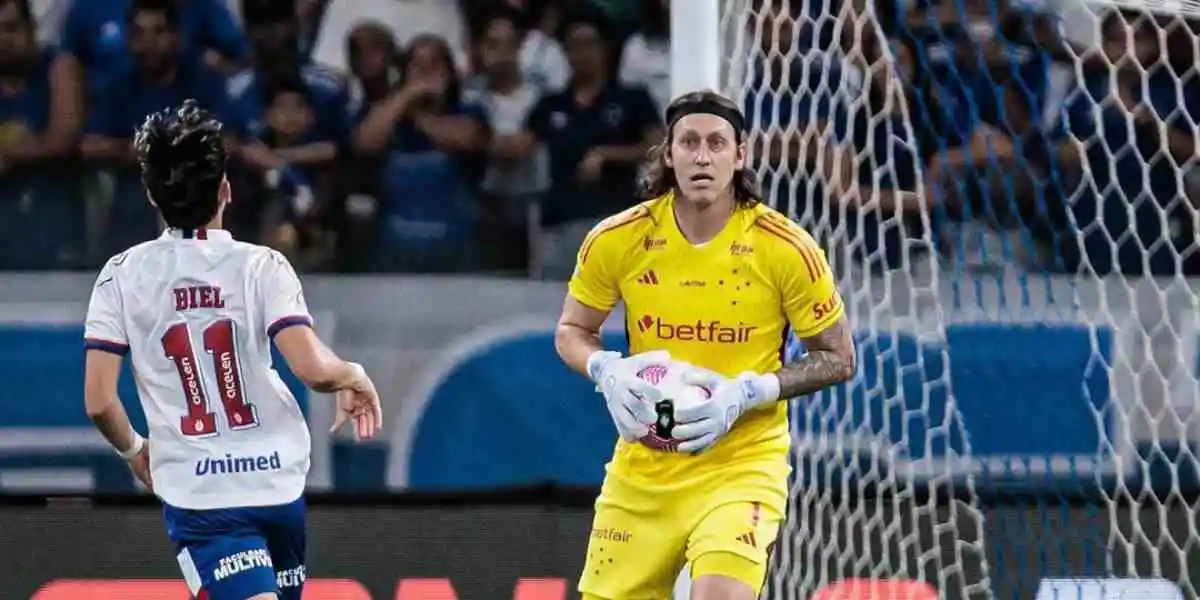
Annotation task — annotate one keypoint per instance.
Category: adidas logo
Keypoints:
(749, 539)
(648, 278)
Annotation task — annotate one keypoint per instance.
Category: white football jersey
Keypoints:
(196, 311)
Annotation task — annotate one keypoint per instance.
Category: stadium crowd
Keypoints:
(492, 139)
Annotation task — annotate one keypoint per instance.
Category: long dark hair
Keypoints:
(657, 178)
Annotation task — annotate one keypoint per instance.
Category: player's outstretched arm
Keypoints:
(314, 363)
(318, 368)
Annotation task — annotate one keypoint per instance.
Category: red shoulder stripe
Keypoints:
(812, 260)
(588, 243)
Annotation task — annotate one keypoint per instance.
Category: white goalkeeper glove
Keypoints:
(701, 425)
(630, 399)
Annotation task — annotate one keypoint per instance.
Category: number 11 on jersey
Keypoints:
(220, 344)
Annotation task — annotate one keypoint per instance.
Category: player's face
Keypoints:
(705, 155)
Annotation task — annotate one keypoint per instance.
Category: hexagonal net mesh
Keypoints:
(1007, 192)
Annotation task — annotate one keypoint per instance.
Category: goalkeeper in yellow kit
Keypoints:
(714, 278)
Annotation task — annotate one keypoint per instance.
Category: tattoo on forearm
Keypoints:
(829, 361)
(816, 371)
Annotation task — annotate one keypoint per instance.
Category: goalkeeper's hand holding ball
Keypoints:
(700, 426)
(630, 399)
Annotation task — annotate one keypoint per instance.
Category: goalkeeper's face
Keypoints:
(705, 155)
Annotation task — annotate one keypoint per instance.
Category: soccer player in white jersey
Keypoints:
(196, 311)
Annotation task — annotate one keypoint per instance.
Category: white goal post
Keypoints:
(1026, 411)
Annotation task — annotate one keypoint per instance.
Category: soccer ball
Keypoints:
(667, 377)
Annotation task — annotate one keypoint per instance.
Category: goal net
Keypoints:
(1006, 193)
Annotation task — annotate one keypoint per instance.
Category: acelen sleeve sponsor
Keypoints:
(314, 589)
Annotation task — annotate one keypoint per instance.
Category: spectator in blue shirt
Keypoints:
(837, 164)
(40, 94)
(860, 196)
(1018, 52)
(375, 65)
(974, 176)
(425, 109)
(375, 61)
(40, 114)
(433, 143)
(273, 29)
(95, 31)
(1120, 140)
(160, 75)
(295, 225)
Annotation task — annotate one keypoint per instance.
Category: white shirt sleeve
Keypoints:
(282, 296)
(104, 327)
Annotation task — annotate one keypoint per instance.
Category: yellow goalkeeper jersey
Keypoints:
(727, 305)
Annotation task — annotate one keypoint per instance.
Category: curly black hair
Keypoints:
(182, 156)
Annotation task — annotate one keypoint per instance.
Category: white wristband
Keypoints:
(597, 360)
(139, 442)
(769, 384)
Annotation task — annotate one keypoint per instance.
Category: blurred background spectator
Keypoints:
(431, 145)
(159, 73)
(41, 113)
(597, 131)
(490, 135)
(646, 58)
(515, 177)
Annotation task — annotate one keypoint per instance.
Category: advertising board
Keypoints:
(531, 547)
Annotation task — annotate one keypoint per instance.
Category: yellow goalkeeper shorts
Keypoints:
(721, 522)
